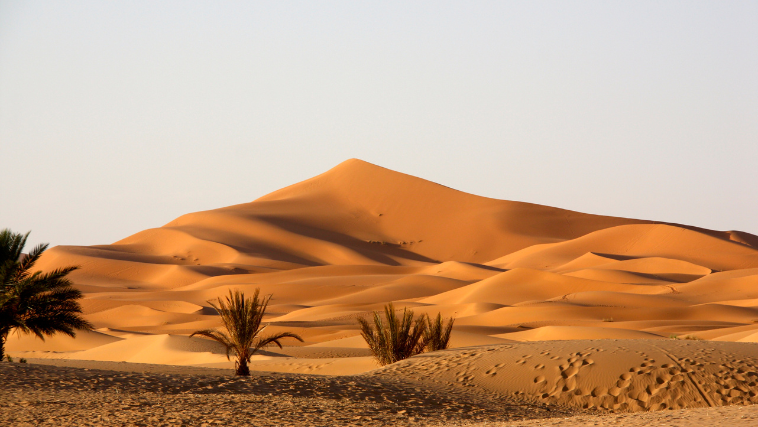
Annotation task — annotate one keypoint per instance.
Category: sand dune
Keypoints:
(346, 242)
(59, 343)
(561, 333)
(356, 213)
(618, 276)
(639, 241)
(622, 375)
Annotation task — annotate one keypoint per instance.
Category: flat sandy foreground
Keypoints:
(138, 394)
(70, 392)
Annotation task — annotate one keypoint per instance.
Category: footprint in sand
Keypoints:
(569, 372)
(599, 392)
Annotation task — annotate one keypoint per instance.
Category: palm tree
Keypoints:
(437, 336)
(242, 319)
(396, 339)
(34, 302)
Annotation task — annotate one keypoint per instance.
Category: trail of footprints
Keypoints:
(652, 386)
(730, 383)
(682, 383)
(571, 376)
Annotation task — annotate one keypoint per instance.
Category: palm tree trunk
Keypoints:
(242, 368)
(3, 337)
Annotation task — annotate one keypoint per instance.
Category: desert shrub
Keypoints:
(685, 337)
(437, 334)
(394, 338)
(242, 320)
(690, 337)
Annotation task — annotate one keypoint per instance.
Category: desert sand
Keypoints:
(553, 307)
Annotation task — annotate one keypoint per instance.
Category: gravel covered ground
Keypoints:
(52, 395)
(153, 395)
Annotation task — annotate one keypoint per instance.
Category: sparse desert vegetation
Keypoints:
(35, 302)
(242, 318)
(392, 338)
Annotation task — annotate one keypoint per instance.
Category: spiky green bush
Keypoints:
(395, 337)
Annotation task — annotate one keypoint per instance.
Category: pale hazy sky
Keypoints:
(120, 116)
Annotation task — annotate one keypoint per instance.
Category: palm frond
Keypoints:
(26, 263)
(35, 302)
(437, 334)
(219, 337)
(11, 245)
(274, 339)
(395, 338)
(242, 318)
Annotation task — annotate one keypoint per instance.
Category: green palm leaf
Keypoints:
(36, 303)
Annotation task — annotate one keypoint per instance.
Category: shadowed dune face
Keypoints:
(346, 242)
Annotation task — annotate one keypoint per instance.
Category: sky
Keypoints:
(120, 116)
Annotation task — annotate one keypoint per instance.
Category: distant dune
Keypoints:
(346, 242)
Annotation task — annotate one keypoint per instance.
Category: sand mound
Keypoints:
(623, 375)
(521, 284)
(84, 340)
(616, 276)
(562, 333)
(159, 349)
(639, 241)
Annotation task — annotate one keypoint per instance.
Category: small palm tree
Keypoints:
(34, 302)
(437, 335)
(396, 339)
(242, 319)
